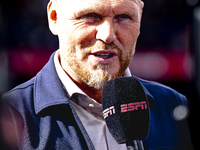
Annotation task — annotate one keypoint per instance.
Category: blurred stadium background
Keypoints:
(168, 49)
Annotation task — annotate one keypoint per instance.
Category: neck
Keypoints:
(93, 93)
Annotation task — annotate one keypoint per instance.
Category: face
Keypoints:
(97, 38)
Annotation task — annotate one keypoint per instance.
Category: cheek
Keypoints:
(80, 37)
(128, 37)
(87, 37)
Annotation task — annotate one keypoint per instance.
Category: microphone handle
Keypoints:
(135, 145)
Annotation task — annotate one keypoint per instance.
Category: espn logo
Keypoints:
(125, 108)
(133, 106)
(108, 111)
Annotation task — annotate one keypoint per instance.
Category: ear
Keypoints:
(141, 9)
(52, 16)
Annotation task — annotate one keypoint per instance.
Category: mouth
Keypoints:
(104, 55)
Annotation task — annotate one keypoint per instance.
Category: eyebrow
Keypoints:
(84, 12)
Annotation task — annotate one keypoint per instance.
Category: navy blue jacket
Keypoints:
(43, 118)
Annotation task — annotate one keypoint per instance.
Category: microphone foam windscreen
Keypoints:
(126, 109)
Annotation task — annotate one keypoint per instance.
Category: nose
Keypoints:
(106, 32)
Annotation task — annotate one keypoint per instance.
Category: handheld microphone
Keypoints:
(126, 111)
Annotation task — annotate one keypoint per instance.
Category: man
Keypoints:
(60, 108)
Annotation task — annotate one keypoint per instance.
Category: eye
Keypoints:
(122, 18)
(91, 18)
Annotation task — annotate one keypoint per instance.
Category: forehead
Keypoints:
(105, 6)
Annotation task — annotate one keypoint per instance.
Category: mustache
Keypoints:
(102, 46)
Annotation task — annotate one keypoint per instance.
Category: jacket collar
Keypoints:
(149, 95)
(49, 91)
(47, 86)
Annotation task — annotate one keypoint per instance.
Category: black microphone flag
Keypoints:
(126, 109)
